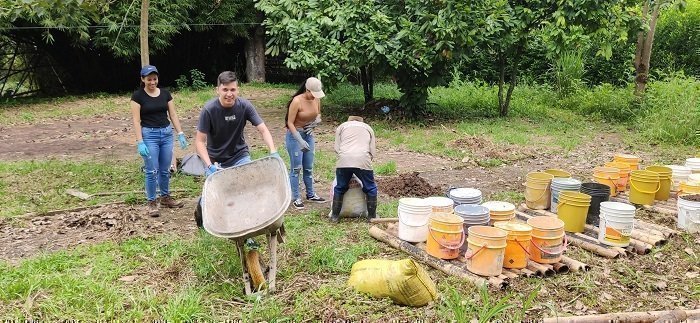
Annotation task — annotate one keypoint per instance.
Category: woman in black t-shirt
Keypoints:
(153, 110)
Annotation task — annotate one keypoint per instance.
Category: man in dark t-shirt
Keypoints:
(219, 137)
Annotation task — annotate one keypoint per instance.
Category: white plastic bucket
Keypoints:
(414, 214)
(559, 185)
(616, 223)
(693, 164)
(678, 174)
(688, 214)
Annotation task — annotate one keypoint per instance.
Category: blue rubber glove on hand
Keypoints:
(213, 168)
(143, 150)
(183, 141)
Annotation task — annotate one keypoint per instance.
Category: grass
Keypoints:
(386, 169)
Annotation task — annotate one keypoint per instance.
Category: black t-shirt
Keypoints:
(154, 110)
(224, 128)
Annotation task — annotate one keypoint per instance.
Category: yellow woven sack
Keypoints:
(404, 281)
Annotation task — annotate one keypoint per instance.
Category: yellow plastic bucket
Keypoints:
(643, 187)
(573, 210)
(517, 244)
(445, 235)
(485, 250)
(665, 174)
(547, 242)
(607, 176)
(631, 160)
(558, 173)
(624, 174)
(537, 190)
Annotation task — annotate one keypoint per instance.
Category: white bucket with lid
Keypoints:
(414, 214)
(465, 195)
(616, 223)
(689, 213)
(440, 204)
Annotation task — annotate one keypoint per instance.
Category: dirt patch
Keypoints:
(482, 148)
(24, 237)
(693, 198)
(405, 185)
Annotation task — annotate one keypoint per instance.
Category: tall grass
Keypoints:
(672, 111)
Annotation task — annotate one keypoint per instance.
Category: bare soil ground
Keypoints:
(110, 137)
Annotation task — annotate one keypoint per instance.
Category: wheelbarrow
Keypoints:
(247, 201)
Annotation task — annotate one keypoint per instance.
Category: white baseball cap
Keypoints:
(314, 85)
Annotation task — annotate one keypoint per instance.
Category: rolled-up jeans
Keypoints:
(157, 164)
(300, 163)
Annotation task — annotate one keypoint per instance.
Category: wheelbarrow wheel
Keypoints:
(198, 215)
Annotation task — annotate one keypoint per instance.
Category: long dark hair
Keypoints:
(301, 90)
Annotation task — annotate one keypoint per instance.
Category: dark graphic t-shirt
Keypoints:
(154, 110)
(224, 128)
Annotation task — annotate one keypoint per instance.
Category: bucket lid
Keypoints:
(465, 193)
(446, 218)
(617, 206)
(499, 206)
(439, 201)
(513, 226)
(471, 210)
(487, 231)
(545, 222)
(413, 201)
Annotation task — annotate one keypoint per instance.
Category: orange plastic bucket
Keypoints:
(631, 160)
(547, 243)
(607, 176)
(485, 250)
(445, 235)
(517, 244)
(624, 174)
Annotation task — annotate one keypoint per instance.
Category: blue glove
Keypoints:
(275, 154)
(213, 168)
(143, 150)
(183, 141)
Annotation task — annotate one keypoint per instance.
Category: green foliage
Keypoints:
(388, 168)
(603, 101)
(672, 111)
(677, 40)
(568, 72)
(197, 81)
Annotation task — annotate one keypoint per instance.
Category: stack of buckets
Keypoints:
(607, 176)
(643, 187)
(558, 173)
(689, 213)
(599, 193)
(547, 239)
(693, 164)
(559, 185)
(665, 174)
(445, 235)
(440, 204)
(465, 195)
(413, 214)
(500, 211)
(631, 160)
(473, 215)
(679, 174)
(537, 190)
(616, 223)
(573, 210)
(624, 172)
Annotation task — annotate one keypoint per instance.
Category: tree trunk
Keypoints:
(642, 55)
(143, 33)
(501, 80)
(504, 103)
(255, 55)
(367, 80)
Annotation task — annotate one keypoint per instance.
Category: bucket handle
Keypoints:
(563, 247)
(473, 253)
(539, 198)
(658, 187)
(614, 184)
(404, 223)
(461, 242)
(523, 247)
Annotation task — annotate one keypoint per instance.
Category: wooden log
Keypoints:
(650, 230)
(439, 264)
(575, 265)
(510, 274)
(560, 268)
(640, 247)
(503, 277)
(384, 220)
(540, 269)
(594, 248)
(668, 231)
(527, 272)
(650, 316)
(516, 272)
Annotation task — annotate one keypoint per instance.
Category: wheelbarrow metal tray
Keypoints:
(246, 200)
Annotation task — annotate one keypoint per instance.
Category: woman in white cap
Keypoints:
(303, 115)
(153, 110)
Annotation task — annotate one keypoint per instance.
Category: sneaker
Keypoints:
(169, 202)
(152, 209)
(316, 199)
(298, 204)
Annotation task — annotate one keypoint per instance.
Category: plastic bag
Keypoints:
(354, 200)
(404, 281)
(192, 165)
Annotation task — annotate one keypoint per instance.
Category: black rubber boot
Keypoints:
(337, 206)
(198, 214)
(371, 207)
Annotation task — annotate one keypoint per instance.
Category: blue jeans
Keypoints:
(300, 163)
(160, 147)
(344, 175)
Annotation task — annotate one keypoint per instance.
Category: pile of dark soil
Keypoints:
(407, 185)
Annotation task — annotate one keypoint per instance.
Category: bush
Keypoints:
(672, 111)
(677, 40)
(604, 101)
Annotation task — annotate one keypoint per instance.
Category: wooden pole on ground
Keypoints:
(673, 315)
(574, 264)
